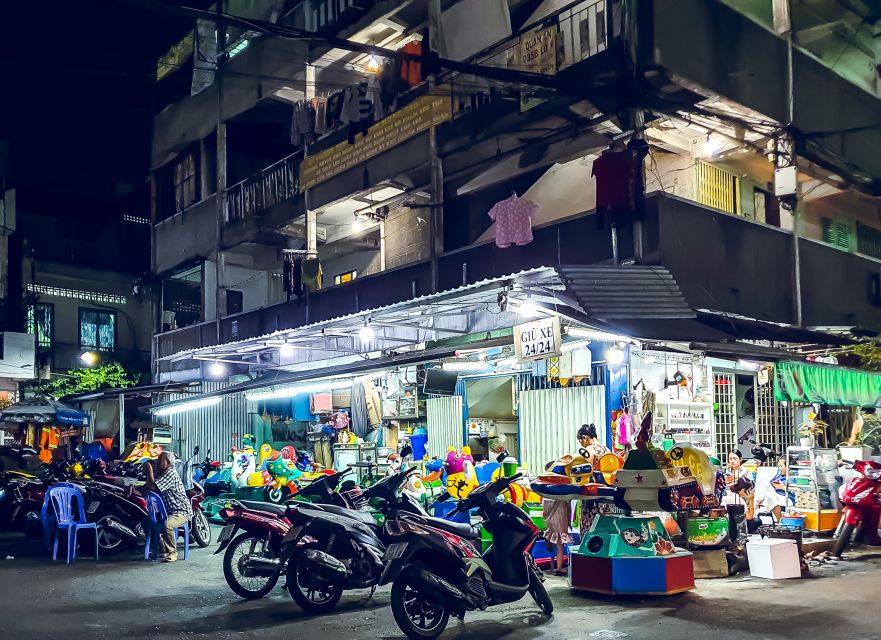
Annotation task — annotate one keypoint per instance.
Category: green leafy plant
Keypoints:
(109, 376)
(867, 355)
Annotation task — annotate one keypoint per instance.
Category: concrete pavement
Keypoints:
(124, 597)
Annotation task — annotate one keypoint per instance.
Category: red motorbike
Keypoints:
(862, 506)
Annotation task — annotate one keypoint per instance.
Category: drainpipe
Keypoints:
(220, 191)
(790, 122)
(436, 224)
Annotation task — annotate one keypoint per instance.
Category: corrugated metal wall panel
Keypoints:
(550, 419)
(211, 427)
(445, 424)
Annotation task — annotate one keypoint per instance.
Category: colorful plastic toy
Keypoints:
(461, 479)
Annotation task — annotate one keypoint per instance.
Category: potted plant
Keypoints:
(811, 429)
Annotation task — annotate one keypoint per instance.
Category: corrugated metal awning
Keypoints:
(609, 293)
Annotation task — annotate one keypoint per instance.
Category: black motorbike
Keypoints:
(436, 572)
(333, 549)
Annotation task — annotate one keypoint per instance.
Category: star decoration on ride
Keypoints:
(640, 477)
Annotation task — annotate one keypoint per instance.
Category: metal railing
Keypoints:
(254, 195)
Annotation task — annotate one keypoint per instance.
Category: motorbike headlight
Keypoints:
(861, 495)
(872, 474)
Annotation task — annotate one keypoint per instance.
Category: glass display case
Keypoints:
(812, 479)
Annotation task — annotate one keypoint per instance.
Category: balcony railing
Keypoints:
(262, 191)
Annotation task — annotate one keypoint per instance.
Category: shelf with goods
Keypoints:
(687, 422)
(811, 479)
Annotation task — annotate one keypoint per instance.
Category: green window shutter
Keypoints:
(836, 233)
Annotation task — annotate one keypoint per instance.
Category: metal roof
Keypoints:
(399, 326)
(608, 292)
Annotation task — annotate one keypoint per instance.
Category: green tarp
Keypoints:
(831, 385)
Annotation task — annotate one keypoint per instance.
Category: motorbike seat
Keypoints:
(460, 529)
(361, 516)
(265, 507)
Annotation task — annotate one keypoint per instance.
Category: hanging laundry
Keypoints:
(319, 106)
(411, 70)
(334, 110)
(513, 218)
(312, 274)
(302, 124)
(357, 110)
(616, 172)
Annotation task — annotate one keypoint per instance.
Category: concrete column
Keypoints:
(311, 232)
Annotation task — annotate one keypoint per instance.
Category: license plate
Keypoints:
(395, 551)
(225, 533)
(93, 506)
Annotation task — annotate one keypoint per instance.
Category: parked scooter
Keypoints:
(252, 563)
(436, 573)
(862, 506)
(332, 550)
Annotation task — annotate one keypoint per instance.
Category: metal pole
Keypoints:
(220, 191)
(615, 258)
(121, 423)
(436, 226)
(790, 117)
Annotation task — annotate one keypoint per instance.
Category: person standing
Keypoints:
(593, 450)
(168, 484)
(557, 517)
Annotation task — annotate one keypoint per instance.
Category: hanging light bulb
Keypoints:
(217, 369)
(366, 334)
(372, 64)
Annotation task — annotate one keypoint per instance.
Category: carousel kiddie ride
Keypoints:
(633, 553)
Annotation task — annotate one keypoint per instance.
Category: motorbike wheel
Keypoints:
(201, 529)
(540, 594)
(843, 540)
(415, 617)
(108, 539)
(310, 598)
(234, 563)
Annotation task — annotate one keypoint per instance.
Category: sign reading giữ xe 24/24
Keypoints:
(537, 340)
(389, 132)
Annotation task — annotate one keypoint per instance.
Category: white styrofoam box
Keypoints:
(855, 453)
(774, 559)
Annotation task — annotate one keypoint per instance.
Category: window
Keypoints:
(718, 188)
(868, 241)
(41, 322)
(343, 278)
(185, 182)
(97, 329)
(836, 233)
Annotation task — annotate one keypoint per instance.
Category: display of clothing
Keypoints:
(513, 218)
(616, 174)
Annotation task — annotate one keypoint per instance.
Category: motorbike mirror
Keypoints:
(444, 496)
(196, 450)
(501, 457)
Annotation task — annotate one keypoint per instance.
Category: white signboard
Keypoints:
(537, 340)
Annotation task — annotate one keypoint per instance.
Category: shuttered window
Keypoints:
(868, 241)
(836, 233)
(718, 188)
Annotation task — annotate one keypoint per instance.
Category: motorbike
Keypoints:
(436, 573)
(252, 561)
(331, 550)
(862, 506)
(22, 494)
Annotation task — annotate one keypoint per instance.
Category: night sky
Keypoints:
(76, 101)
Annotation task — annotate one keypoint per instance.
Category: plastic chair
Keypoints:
(158, 516)
(64, 500)
(47, 519)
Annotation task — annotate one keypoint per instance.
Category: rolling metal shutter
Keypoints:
(550, 419)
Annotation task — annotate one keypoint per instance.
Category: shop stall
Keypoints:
(52, 428)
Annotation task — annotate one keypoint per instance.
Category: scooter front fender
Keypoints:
(852, 516)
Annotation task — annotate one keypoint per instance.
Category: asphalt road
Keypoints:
(124, 597)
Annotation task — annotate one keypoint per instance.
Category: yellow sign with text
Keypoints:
(386, 134)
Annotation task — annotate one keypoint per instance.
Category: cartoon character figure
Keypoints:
(244, 463)
(461, 479)
(395, 464)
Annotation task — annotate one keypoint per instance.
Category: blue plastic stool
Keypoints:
(64, 500)
(158, 516)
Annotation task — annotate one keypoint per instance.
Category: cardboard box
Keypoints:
(708, 532)
(773, 558)
(710, 563)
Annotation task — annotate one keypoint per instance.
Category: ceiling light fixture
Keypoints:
(528, 310)
(579, 332)
(615, 355)
(187, 406)
(290, 392)
(372, 64)
(464, 365)
(286, 350)
(366, 334)
(217, 369)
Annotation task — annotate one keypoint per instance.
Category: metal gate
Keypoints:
(775, 422)
(550, 418)
(726, 413)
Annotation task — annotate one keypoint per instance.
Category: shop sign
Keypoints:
(537, 340)
(537, 54)
(386, 134)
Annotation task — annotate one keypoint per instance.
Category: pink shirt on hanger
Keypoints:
(513, 218)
